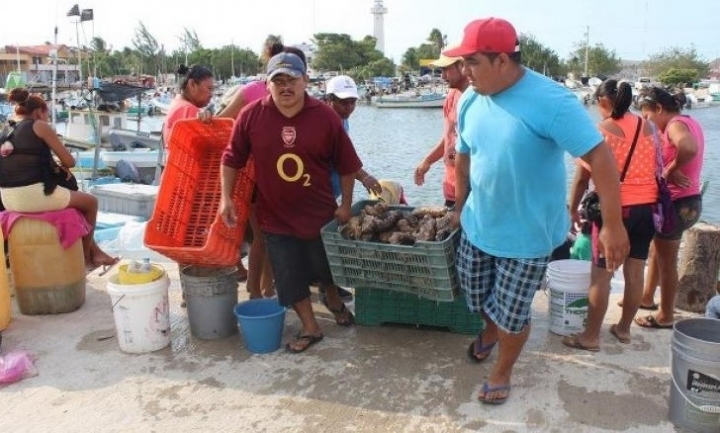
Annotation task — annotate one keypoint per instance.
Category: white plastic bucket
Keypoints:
(142, 314)
(568, 282)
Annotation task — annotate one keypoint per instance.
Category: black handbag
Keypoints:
(62, 177)
(590, 203)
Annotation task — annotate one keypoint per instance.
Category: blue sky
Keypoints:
(634, 29)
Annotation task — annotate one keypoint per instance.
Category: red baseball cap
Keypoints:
(488, 35)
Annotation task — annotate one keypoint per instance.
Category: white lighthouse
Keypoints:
(378, 10)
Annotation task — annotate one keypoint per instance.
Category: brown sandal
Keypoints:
(573, 341)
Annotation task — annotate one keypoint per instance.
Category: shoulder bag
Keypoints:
(664, 216)
(590, 203)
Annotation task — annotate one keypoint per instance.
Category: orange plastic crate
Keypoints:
(185, 225)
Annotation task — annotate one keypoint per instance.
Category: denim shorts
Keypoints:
(295, 262)
(501, 287)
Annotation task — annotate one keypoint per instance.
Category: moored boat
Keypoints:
(414, 100)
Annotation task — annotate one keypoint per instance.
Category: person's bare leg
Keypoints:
(598, 295)
(256, 258)
(309, 325)
(488, 336)
(509, 348)
(667, 254)
(100, 257)
(87, 204)
(335, 304)
(653, 278)
(267, 281)
(634, 273)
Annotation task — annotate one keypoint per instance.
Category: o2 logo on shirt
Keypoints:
(288, 135)
(299, 174)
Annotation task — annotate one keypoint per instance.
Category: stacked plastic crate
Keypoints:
(185, 224)
(407, 284)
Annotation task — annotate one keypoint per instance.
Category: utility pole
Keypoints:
(587, 48)
(232, 58)
(77, 38)
(54, 55)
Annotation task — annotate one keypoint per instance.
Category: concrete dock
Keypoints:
(360, 379)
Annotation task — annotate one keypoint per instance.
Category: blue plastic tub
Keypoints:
(261, 322)
(104, 234)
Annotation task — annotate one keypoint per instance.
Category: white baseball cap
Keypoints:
(341, 86)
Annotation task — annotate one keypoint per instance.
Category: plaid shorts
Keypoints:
(502, 288)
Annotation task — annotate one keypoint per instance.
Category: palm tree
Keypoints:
(437, 39)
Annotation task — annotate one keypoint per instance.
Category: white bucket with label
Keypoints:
(142, 314)
(568, 282)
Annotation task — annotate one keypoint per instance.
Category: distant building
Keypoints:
(35, 63)
(309, 50)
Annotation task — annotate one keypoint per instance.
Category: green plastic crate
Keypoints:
(374, 307)
(426, 269)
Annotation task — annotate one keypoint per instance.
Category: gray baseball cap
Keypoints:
(285, 63)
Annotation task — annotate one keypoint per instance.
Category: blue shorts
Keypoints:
(295, 262)
(502, 288)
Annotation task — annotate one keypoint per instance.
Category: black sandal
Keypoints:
(339, 312)
(310, 340)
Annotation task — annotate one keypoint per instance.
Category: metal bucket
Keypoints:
(211, 295)
(695, 387)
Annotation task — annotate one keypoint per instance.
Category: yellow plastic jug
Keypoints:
(5, 300)
(48, 278)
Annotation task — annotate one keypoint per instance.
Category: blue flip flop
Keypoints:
(486, 389)
(476, 348)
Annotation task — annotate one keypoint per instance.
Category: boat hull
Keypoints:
(391, 103)
(141, 159)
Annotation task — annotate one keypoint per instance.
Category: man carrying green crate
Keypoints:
(513, 131)
(294, 140)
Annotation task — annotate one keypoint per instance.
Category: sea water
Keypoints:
(392, 142)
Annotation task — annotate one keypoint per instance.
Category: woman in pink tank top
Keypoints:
(683, 148)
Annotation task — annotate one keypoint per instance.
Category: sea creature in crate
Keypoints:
(379, 223)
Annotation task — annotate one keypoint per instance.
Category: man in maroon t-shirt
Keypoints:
(294, 141)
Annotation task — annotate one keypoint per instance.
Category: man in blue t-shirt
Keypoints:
(514, 127)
